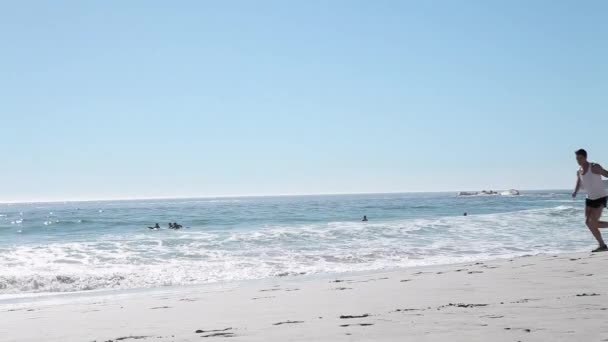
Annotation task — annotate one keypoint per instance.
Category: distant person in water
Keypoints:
(176, 226)
(156, 226)
(170, 225)
(589, 176)
(465, 214)
(364, 218)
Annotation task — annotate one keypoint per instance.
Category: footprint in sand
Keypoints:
(267, 297)
(360, 324)
(353, 316)
(525, 300)
(128, 338)
(462, 305)
(200, 331)
(406, 310)
(288, 322)
(219, 334)
(216, 333)
(526, 330)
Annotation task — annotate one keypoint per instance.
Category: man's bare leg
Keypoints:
(602, 224)
(593, 223)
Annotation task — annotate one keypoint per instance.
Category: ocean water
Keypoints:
(83, 246)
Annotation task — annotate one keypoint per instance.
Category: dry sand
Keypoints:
(538, 298)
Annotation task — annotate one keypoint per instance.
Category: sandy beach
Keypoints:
(536, 298)
(278, 171)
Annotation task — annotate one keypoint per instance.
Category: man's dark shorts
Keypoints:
(596, 203)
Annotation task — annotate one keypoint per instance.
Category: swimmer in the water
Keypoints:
(176, 226)
(364, 218)
(156, 226)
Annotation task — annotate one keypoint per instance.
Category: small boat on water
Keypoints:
(511, 192)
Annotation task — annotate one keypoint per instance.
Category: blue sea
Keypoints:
(106, 245)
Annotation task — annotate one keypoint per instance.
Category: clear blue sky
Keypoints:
(115, 99)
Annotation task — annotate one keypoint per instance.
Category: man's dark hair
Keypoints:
(581, 152)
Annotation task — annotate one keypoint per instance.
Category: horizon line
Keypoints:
(126, 199)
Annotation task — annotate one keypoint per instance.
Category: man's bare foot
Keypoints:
(602, 248)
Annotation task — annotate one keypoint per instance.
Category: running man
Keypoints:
(589, 176)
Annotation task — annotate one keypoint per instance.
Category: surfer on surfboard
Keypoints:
(156, 226)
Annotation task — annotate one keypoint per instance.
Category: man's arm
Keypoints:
(603, 171)
(577, 186)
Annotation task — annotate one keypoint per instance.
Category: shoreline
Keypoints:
(57, 296)
(497, 299)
